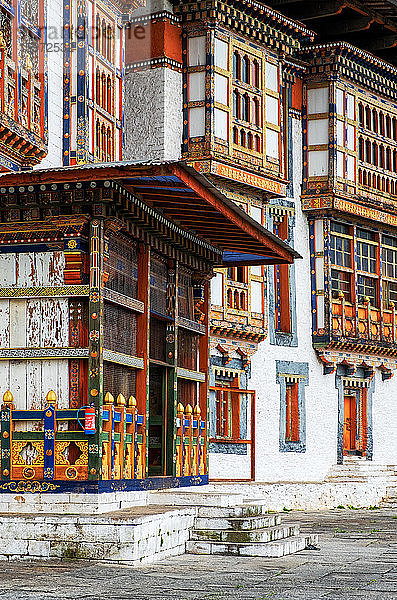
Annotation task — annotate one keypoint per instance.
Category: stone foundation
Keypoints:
(136, 536)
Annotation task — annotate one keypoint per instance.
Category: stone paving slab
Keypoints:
(357, 560)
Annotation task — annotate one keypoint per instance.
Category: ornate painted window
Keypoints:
(292, 378)
(389, 270)
(361, 281)
(341, 260)
(245, 124)
(281, 289)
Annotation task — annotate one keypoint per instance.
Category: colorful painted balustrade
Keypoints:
(364, 322)
(190, 441)
(55, 444)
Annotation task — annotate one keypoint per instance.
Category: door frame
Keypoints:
(345, 385)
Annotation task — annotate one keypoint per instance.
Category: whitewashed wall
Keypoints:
(55, 85)
(153, 115)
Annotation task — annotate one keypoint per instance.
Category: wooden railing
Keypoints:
(42, 444)
(190, 441)
(367, 323)
(123, 439)
(52, 444)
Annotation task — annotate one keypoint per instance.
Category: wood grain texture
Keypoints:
(27, 269)
(30, 381)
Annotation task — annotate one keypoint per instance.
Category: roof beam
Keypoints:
(320, 10)
(382, 43)
(352, 25)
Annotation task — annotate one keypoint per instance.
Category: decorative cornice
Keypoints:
(123, 359)
(42, 353)
(45, 292)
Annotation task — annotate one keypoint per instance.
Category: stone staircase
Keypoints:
(390, 500)
(356, 469)
(245, 530)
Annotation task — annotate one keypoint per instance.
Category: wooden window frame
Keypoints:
(282, 308)
(292, 430)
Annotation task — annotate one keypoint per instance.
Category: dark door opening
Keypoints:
(158, 433)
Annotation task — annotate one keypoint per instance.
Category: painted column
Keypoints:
(95, 344)
(171, 350)
(142, 345)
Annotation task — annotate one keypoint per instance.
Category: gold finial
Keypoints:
(121, 401)
(132, 401)
(188, 410)
(179, 408)
(341, 295)
(51, 397)
(108, 398)
(197, 410)
(2, 41)
(8, 398)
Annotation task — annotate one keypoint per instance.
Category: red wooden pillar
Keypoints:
(143, 325)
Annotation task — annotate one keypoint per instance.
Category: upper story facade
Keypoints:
(237, 74)
(230, 85)
(350, 193)
(23, 84)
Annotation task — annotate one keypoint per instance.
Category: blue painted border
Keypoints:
(98, 487)
(292, 368)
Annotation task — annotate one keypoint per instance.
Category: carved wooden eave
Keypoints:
(251, 19)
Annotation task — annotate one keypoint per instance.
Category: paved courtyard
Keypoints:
(356, 560)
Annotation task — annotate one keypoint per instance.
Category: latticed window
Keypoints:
(367, 288)
(187, 349)
(341, 282)
(122, 266)
(119, 329)
(341, 245)
(118, 379)
(185, 294)
(158, 285)
(366, 251)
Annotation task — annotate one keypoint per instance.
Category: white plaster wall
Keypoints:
(55, 86)
(321, 397)
(227, 466)
(153, 115)
(173, 114)
(384, 415)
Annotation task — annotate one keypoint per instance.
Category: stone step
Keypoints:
(265, 534)
(237, 523)
(390, 500)
(195, 498)
(268, 549)
(242, 510)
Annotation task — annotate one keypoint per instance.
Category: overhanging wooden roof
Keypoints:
(182, 195)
